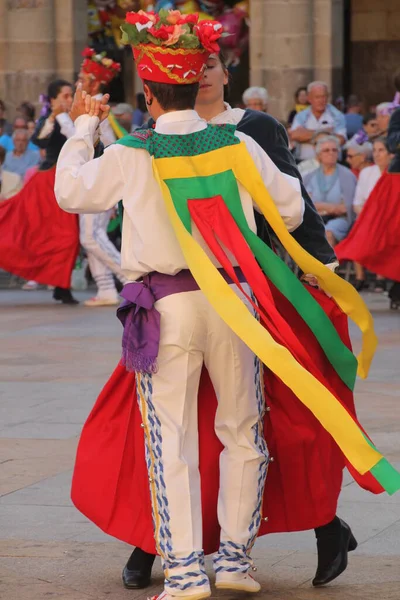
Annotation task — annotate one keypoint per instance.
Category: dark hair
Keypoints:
(56, 86)
(174, 97)
(352, 101)
(2, 155)
(369, 117)
(382, 140)
(300, 89)
(2, 105)
(141, 102)
(28, 110)
(396, 81)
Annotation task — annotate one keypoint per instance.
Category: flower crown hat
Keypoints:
(170, 47)
(100, 67)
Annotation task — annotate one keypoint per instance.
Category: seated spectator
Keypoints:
(353, 116)
(27, 111)
(368, 132)
(320, 116)
(5, 126)
(124, 115)
(359, 156)
(370, 176)
(368, 179)
(311, 164)
(332, 189)
(301, 103)
(383, 113)
(10, 183)
(256, 98)
(6, 140)
(21, 158)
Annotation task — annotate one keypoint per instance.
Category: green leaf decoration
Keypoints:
(130, 34)
(163, 14)
(189, 41)
(153, 39)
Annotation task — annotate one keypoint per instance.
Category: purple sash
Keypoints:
(141, 321)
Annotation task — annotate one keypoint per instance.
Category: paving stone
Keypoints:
(53, 362)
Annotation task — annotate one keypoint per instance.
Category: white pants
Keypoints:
(193, 333)
(103, 257)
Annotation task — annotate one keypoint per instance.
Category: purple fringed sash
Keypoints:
(141, 321)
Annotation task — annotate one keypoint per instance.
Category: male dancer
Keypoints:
(96, 73)
(149, 246)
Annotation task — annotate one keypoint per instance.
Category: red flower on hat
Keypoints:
(141, 17)
(209, 32)
(162, 33)
(88, 53)
(190, 19)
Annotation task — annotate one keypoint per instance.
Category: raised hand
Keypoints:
(97, 108)
(78, 107)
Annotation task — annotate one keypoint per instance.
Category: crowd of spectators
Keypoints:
(341, 155)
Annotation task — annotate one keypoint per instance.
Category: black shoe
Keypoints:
(333, 548)
(137, 571)
(64, 296)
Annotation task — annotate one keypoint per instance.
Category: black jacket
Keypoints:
(272, 137)
(393, 141)
(51, 144)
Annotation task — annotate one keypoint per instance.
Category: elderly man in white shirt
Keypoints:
(320, 116)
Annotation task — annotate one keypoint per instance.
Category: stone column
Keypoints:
(70, 35)
(281, 49)
(3, 46)
(329, 43)
(30, 57)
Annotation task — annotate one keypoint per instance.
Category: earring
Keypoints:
(149, 102)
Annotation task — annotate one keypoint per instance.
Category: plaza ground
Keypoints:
(54, 361)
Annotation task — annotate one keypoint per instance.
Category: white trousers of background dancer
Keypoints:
(193, 333)
(103, 257)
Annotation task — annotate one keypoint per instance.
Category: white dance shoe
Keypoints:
(241, 582)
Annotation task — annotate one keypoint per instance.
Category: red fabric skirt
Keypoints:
(38, 240)
(374, 241)
(110, 483)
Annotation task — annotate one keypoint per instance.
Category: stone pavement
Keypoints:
(53, 362)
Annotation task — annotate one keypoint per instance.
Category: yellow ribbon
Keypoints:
(313, 394)
(247, 173)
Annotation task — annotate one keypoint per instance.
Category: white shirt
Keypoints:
(332, 118)
(148, 241)
(367, 180)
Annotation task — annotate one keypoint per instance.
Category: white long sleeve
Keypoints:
(66, 125)
(84, 185)
(284, 189)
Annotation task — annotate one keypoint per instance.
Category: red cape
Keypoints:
(38, 240)
(374, 241)
(110, 482)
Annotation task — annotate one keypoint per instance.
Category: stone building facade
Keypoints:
(39, 39)
(353, 45)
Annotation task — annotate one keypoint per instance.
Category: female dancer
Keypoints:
(374, 241)
(38, 240)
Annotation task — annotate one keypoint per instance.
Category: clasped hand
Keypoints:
(84, 104)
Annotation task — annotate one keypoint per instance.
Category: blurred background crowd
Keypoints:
(339, 143)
